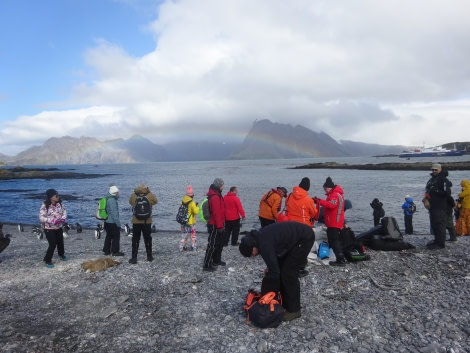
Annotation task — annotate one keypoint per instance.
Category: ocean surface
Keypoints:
(21, 199)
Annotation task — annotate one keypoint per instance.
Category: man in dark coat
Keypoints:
(284, 248)
(437, 192)
(215, 227)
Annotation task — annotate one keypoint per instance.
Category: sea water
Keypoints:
(21, 199)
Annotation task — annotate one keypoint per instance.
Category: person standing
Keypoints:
(437, 192)
(450, 227)
(270, 205)
(52, 216)
(233, 212)
(284, 247)
(333, 215)
(215, 226)
(409, 209)
(112, 225)
(188, 230)
(142, 226)
(301, 207)
(463, 225)
(378, 212)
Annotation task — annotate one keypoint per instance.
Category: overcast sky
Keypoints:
(387, 72)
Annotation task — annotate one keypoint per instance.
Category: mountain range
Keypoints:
(265, 140)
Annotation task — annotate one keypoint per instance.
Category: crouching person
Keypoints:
(284, 248)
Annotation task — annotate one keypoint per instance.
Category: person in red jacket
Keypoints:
(215, 227)
(233, 212)
(333, 214)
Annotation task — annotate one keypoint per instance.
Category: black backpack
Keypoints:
(142, 209)
(390, 229)
(353, 249)
(182, 216)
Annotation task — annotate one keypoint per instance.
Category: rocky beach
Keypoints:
(409, 301)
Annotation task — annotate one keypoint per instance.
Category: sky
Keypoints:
(387, 72)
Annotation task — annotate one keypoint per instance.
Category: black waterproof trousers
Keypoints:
(232, 228)
(290, 266)
(408, 224)
(335, 242)
(215, 245)
(144, 229)
(438, 218)
(55, 238)
(112, 239)
(265, 222)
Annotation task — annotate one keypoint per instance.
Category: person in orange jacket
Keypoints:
(270, 205)
(301, 207)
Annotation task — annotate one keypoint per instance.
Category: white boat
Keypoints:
(431, 152)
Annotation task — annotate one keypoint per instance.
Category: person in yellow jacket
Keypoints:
(142, 226)
(188, 230)
(463, 223)
(270, 205)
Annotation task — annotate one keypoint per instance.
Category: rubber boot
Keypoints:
(148, 248)
(135, 250)
(340, 261)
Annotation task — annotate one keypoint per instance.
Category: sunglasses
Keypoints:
(434, 170)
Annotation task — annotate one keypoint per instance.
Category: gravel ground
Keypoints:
(409, 301)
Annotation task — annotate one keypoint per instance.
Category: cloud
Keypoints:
(370, 71)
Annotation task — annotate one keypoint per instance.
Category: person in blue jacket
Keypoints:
(408, 209)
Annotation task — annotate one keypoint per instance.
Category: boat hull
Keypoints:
(432, 154)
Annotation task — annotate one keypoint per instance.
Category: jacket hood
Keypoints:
(410, 200)
(337, 189)
(299, 193)
(186, 198)
(141, 190)
(213, 191)
(465, 184)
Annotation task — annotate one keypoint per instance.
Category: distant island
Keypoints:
(385, 166)
(43, 173)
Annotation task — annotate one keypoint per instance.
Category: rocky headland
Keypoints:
(385, 166)
(43, 173)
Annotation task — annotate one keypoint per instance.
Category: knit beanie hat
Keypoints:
(113, 189)
(305, 184)
(329, 183)
(246, 245)
(218, 183)
(189, 190)
(50, 193)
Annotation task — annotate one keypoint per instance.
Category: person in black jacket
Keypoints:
(437, 192)
(284, 248)
(378, 212)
